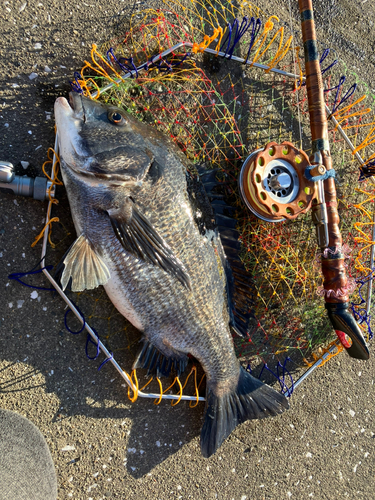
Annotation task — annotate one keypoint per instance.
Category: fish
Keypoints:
(137, 210)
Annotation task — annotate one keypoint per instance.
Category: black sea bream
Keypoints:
(137, 235)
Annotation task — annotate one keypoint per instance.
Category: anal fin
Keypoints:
(157, 363)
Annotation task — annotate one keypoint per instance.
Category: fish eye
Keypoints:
(116, 117)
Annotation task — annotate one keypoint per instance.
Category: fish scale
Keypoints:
(203, 309)
(138, 235)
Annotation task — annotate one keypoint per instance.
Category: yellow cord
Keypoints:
(331, 355)
(193, 370)
(55, 170)
(281, 51)
(364, 238)
(300, 71)
(134, 387)
(369, 139)
(147, 383)
(262, 38)
(180, 392)
(40, 235)
(207, 40)
(157, 401)
(55, 181)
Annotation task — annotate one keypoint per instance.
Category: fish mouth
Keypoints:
(69, 118)
(73, 106)
(67, 110)
(76, 103)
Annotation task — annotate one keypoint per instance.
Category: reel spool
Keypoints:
(273, 185)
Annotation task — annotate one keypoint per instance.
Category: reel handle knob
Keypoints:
(318, 170)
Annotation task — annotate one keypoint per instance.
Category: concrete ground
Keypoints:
(103, 446)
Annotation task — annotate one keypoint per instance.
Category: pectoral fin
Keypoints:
(86, 268)
(137, 235)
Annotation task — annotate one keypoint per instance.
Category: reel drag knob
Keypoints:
(272, 182)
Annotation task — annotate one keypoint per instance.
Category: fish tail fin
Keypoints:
(252, 399)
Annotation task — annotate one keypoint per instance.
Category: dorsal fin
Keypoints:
(240, 286)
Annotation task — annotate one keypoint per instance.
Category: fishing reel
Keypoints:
(273, 185)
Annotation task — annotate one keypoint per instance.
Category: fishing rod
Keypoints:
(324, 208)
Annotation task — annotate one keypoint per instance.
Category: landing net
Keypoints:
(218, 111)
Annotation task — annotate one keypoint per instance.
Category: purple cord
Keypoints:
(360, 313)
(287, 391)
(17, 276)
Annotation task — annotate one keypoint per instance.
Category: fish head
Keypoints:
(101, 142)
